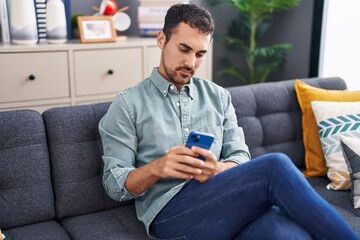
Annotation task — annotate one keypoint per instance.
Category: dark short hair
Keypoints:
(191, 14)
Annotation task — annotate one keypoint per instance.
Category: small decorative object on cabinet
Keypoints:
(23, 29)
(4, 22)
(122, 21)
(108, 7)
(56, 22)
(96, 29)
(40, 6)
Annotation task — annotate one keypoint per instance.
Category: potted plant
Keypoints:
(244, 33)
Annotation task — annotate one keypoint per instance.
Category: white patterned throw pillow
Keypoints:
(351, 151)
(335, 119)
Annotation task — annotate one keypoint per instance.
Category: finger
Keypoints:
(187, 151)
(202, 178)
(185, 156)
(204, 152)
(182, 163)
(181, 175)
(188, 169)
(197, 163)
(208, 172)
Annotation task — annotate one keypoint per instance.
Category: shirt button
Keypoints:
(178, 104)
(172, 87)
(187, 129)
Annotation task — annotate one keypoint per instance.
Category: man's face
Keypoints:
(182, 54)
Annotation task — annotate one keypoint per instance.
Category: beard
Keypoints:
(181, 75)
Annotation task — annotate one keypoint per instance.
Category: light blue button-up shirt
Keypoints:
(145, 121)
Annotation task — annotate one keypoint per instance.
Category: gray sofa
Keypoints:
(51, 167)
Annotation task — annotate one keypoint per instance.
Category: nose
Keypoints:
(191, 61)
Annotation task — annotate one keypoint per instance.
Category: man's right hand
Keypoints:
(178, 162)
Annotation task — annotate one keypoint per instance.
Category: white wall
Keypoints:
(340, 53)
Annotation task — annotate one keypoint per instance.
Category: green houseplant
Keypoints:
(244, 33)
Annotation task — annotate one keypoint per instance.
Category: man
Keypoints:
(179, 196)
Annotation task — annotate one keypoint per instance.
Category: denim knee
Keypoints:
(279, 158)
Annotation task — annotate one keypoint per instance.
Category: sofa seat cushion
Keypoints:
(26, 194)
(340, 200)
(118, 223)
(39, 231)
(76, 159)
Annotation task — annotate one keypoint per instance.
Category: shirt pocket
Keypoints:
(218, 132)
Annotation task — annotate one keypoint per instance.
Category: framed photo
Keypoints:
(96, 29)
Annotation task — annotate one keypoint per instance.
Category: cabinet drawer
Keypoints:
(33, 76)
(107, 71)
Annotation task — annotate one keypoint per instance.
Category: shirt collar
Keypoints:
(165, 86)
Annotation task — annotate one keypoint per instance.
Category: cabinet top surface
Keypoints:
(76, 45)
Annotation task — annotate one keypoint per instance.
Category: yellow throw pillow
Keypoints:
(314, 156)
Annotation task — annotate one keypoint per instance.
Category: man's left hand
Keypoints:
(212, 166)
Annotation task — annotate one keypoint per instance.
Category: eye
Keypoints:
(200, 54)
(184, 49)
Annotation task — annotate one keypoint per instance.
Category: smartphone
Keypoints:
(199, 139)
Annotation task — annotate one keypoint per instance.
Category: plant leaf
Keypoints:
(273, 51)
(235, 72)
(262, 28)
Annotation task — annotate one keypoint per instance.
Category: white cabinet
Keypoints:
(23, 77)
(45, 75)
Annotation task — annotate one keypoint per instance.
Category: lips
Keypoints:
(186, 71)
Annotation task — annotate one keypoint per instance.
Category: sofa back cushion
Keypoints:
(76, 159)
(26, 194)
(270, 115)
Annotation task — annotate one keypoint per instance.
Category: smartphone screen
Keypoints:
(199, 139)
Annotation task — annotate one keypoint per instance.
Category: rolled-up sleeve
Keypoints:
(234, 147)
(119, 141)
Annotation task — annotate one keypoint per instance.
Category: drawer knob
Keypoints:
(31, 77)
(110, 72)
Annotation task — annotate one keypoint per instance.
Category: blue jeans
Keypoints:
(265, 198)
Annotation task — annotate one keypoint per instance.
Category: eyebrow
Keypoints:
(190, 48)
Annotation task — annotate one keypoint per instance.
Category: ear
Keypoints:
(161, 39)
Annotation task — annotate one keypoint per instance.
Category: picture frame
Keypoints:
(95, 29)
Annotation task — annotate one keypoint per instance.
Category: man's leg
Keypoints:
(225, 204)
(273, 225)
